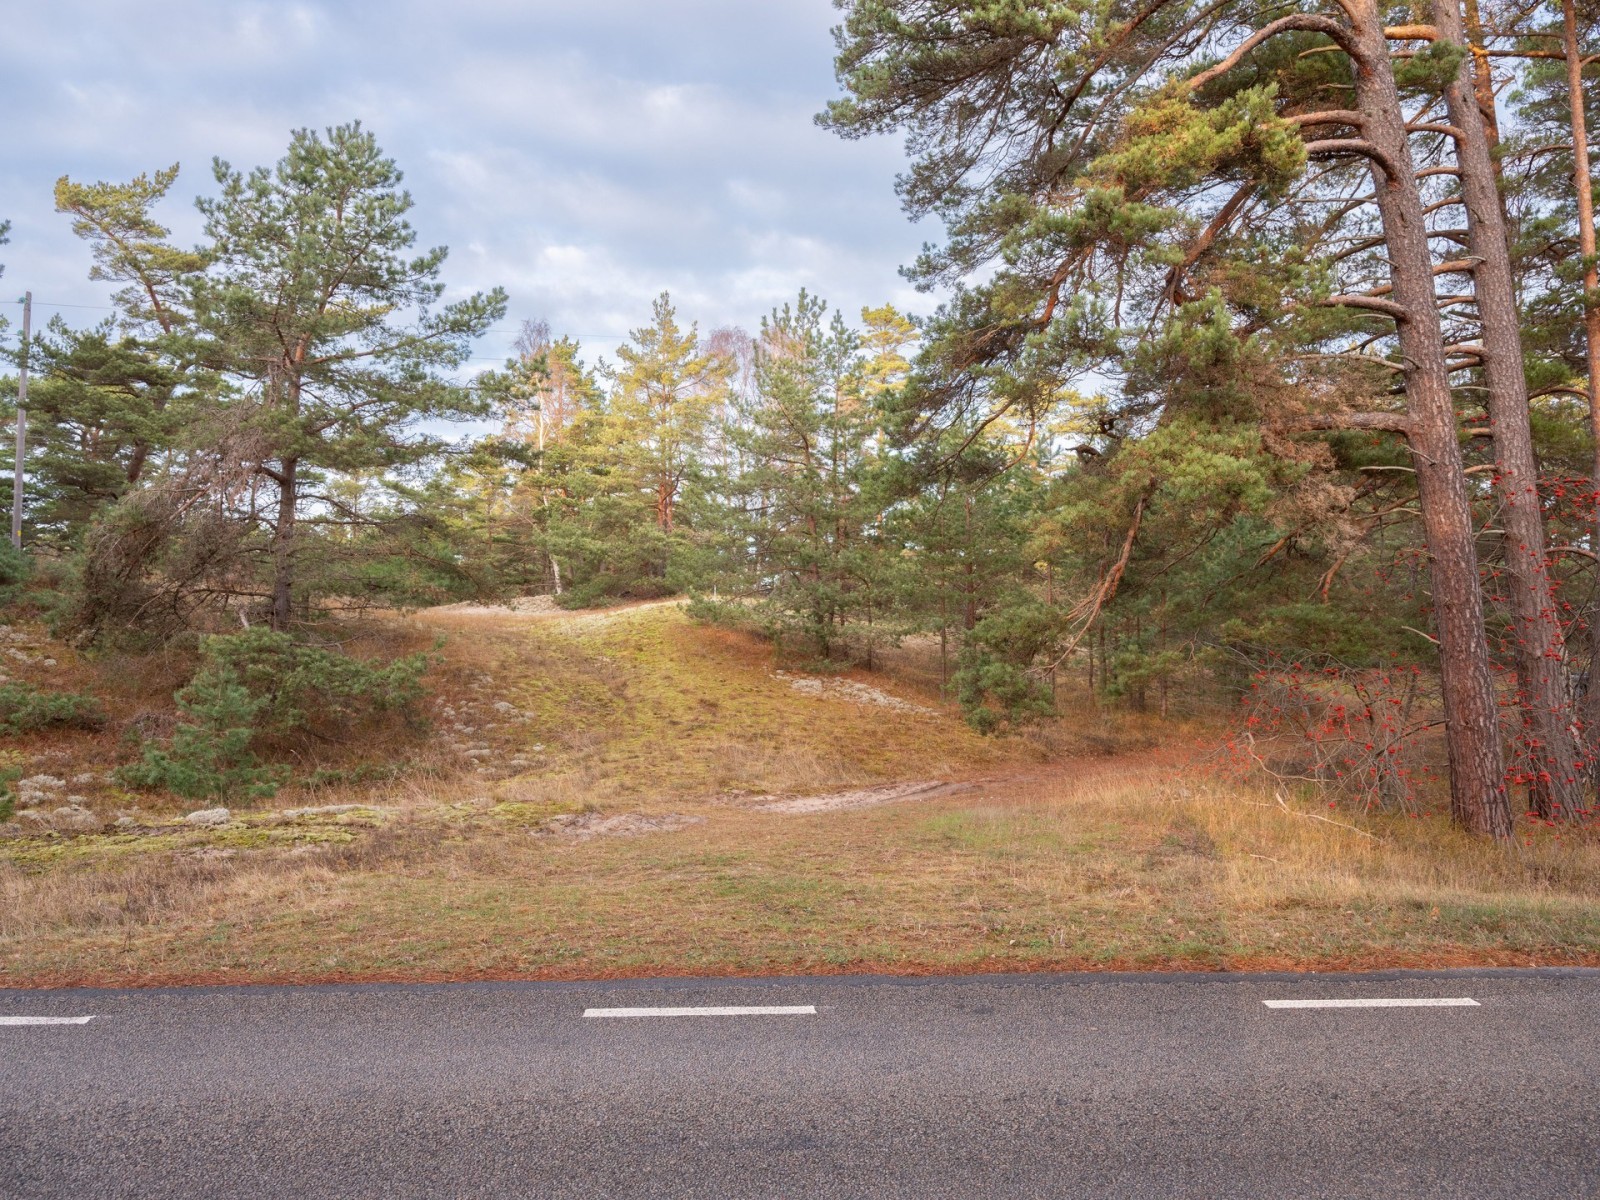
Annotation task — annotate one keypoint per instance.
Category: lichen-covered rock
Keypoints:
(209, 817)
(37, 789)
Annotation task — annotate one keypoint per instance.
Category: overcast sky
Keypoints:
(584, 154)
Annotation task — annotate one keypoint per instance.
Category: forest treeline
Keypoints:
(1267, 357)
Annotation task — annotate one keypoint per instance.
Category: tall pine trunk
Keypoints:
(664, 491)
(1483, 80)
(1478, 798)
(1538, 646)
(283, 547)
(1583, 183)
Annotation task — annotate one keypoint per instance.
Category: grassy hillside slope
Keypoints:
(629, 793)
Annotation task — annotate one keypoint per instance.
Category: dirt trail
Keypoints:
(545, 607)
(870, 797)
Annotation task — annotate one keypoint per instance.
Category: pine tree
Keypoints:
(803, 504)
(663, 396)
(310, 302)
(1121, 187)
(106, 399)
(103, 404)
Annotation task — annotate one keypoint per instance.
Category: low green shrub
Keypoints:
(730, 614)
(300, 686)
(210, 756)
(8, 794)
(15, 569)
(263, 685)
(24, 708)
(995, 679)
(608, 589)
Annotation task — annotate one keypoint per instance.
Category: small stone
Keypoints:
(209, 817)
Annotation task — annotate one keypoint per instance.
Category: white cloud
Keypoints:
(585, 154)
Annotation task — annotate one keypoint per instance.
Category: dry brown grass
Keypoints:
(1102, 858)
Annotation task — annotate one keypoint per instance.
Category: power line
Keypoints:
(54, 304)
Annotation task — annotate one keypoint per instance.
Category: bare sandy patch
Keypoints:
(522, 606)
(548, 606)
(870, 797)
(853, 691)
(591, 825)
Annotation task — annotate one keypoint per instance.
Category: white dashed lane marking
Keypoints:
(792, 1010)
(45, 1020)
(1382, 1002)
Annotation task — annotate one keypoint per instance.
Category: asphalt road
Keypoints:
(1016, 1086)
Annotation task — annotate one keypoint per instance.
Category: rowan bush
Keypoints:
(1353, 731)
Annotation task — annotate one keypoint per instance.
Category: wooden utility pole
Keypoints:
(22, 422)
